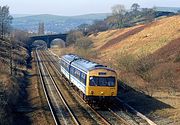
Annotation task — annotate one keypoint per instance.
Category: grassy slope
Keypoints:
(152, 37)
(158, 41)
(26, 104)
(10, 85)
(140, 41)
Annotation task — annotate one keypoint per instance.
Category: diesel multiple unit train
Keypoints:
(96, 82)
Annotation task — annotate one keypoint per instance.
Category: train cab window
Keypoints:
(93, 81)
(102, 81)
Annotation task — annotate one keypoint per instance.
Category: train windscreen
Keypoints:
(102, 81)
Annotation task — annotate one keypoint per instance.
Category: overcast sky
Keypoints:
(77, 7)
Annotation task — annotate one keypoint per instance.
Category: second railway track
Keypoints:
(108, 115)
(125, 113)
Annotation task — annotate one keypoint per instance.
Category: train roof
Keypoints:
(82, 63)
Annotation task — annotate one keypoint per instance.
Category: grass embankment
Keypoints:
(146, 58)
(11, 85)
(22, 99)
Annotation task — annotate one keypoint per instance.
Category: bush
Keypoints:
(84, 43)
(142, 67)
(5, 110)
(168, 77)
(126, 61)
(177, 59)
(84, 47)
(73, 36)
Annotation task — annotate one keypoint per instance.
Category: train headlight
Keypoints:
(112, 93)
(102, 93)
(92, 92)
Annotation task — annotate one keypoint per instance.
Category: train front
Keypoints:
(101, 84)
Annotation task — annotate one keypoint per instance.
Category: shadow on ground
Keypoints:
(23, 107)
(139, 100)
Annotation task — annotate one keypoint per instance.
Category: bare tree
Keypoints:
(84, 43)
(83, 28)
(5, 20)
(73, 36)
(118, 12)
(84, 46)
(135, 7)
(148, 14)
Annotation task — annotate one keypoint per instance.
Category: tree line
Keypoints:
(121, 17)
(13, 62)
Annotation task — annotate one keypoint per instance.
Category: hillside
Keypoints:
(168, 9)
(138, 43)
(11, 83)
(150, 54)
(54, 23)
(138, 40)
(147, 59)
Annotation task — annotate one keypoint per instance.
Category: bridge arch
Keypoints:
(47, 38)
(39, 43)
(58, 43)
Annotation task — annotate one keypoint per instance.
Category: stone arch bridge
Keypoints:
(47, 38)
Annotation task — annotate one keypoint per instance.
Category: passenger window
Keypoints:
(83, 78)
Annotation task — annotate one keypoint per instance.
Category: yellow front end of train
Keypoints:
(101, 82)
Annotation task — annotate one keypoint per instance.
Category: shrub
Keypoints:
(177, 59)
(84, 48)
(142, 67)
(73, 36)
(84, 43)
(125, 61)
(5, 110)
(168, 77)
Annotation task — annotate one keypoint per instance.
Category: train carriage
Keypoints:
(95, 81)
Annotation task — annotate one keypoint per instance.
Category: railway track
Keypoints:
(44, 89)
(82, 119)
(58, 107)
(127, 116)
(106, 114)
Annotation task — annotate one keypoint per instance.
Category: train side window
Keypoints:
(72, 70)
(83, 78)
(66, 66)
(77, 74)
(62, 63)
